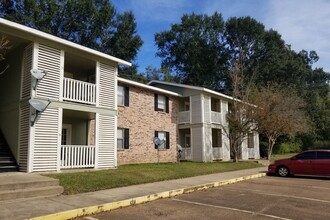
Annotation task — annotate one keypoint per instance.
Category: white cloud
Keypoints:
(303, 24)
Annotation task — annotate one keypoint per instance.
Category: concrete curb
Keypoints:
(139, 200)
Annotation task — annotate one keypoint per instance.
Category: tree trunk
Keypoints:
(271, 143)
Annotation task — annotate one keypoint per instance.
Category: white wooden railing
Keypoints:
(77, 156)
(79, 91)
(184, 117)
(216, 117)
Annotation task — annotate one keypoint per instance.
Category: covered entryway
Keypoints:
(185, 142)
(77, 140)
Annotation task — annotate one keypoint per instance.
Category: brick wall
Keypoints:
(142, 121)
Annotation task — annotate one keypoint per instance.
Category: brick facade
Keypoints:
(142, 121)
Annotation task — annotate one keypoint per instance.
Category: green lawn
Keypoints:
(126, 175)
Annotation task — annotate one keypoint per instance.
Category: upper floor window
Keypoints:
(215, 105)
(163, 135)
(122, 138)
(123, 95)
(161, 103)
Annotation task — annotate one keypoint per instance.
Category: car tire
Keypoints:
(283, 171)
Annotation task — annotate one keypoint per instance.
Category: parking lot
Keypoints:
(262, 198)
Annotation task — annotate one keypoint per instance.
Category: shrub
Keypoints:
(320, 145)
(288, 147)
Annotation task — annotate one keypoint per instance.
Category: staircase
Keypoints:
(17, 185)
(7, 161)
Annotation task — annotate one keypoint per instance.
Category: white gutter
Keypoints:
(130, 82)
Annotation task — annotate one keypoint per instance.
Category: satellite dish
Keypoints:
(37, 75)
(157, 141)
(39, 106)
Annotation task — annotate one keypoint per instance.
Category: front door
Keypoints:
(66, 134)
(187, 147)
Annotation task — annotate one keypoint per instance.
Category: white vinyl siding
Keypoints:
(106, 141)
(197, 143)
(26, 75)
(196, 109)
(24, 132)
(49, 60)
(46, 141)
(207, 109)
(24, 114)
(107, 86)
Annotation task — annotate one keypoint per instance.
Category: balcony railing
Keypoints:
(184, 117)
(79, 91)
(77, 156)
(216, 117)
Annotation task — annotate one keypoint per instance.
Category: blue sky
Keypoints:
(304, 24)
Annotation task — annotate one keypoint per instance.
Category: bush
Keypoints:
(320, 145)
(288, 147)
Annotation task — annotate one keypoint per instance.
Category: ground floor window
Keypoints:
(216, 137)
(163, 135)
(250, 140)
(122, 138)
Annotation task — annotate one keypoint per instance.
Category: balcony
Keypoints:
(184, 117)
(216, 117)
(79, 91)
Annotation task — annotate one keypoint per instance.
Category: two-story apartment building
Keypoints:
(202, 124)
(145, 112)
(46, 119)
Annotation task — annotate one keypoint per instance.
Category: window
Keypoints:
(306, 156)
(215, 105)
(216, 137)
(161, 103)
(163, 135)
(122, 138)
(250, 140)
(323, 155)
(186, 106)
(123, 95)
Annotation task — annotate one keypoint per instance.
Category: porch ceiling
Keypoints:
(14, 41)
(78, 114)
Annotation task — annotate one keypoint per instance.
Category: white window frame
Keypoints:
(121, 95)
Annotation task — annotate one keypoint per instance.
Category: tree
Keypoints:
(194, 50)
(92, 23)
(240, 124)
(4, 47)
(279, 112)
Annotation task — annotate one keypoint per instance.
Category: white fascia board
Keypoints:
(191, 87)
(153, 88)
(53, 38)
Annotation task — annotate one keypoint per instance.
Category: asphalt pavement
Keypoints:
(70, 206)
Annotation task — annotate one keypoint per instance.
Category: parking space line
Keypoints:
(90, 218)
(280, 195)
(232, 209)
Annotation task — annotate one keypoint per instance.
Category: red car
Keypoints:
(312, 162)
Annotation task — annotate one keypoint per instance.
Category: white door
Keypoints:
(187, 147)
(66, 134)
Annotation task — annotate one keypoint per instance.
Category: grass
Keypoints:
(282, 156)
(126, 175)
